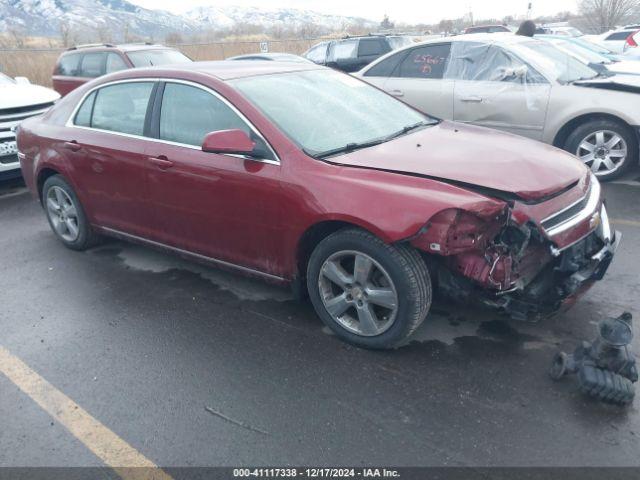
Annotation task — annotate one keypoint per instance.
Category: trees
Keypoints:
(603, 15)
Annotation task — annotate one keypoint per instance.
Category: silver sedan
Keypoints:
(521, 85)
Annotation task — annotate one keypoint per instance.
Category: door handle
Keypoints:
(471, 99)
(162, 162)
(72, 145)
(396, 93)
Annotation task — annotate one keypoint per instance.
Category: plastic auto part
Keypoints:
(606, 368)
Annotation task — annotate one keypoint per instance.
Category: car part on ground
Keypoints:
(18, 100)
(606, 367)
(524, 86)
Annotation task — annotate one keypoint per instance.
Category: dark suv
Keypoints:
(80, 64)
(350, 54)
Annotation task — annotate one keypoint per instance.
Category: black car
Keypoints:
(353, 53)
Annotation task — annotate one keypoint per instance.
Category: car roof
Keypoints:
(231, 69)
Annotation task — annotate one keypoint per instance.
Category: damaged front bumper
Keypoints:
(561, 283)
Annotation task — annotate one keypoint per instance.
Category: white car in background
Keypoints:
(521, 85)
(614, 40)
(598, 62)
(18, 100)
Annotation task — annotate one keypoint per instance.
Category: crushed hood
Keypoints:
(621, 83)
(15, 95)
(474, 157)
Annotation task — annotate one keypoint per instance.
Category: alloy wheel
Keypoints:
(603, 151)
(358, 293)
(63, 214)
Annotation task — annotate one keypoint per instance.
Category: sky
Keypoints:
(408, 11)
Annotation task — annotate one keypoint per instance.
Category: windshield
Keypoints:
(592, 46)
(580, 52)
(149, 58)
(399, 42)
(4, 80)
(324, 110)
(562, 66)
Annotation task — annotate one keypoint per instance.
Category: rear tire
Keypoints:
(369, 293)
(66, 215)
(608, 147)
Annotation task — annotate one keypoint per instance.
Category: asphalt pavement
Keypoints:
(192, 366)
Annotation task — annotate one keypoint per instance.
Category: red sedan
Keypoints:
(310, 177)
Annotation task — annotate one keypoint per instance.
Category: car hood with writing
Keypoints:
(475, 157)
(13, 95)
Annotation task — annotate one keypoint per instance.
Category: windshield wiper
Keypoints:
(409, 128)
(350, 147)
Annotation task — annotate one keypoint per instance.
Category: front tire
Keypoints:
(66, 215)
(369, 293)
(608, 147)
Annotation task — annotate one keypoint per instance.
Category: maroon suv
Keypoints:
(307, 176)
(82, 63)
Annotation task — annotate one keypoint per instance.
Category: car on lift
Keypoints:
(335, 188)
(19, 99)
(350, 54)
(79, 64)
(524, 86)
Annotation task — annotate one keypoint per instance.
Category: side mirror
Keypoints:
(234, 141)
(22, 81)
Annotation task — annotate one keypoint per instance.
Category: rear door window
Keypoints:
(427, 62)
(92, 64)
(68, 65)
(122, 107)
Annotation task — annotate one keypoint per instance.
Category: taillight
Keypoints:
(631, 42)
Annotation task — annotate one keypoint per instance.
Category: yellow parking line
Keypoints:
(621, 221)
(105, 444)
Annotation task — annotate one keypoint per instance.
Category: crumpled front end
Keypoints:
(530, 260)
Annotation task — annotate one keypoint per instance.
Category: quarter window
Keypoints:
(115, 63)
(189, 113)
(83, 117)
(425, 62)
(122, 107)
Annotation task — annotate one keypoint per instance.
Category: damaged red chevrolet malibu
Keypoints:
(303, 175)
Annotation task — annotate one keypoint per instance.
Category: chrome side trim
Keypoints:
(253, 128)
(588, 210)
(216, 261)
